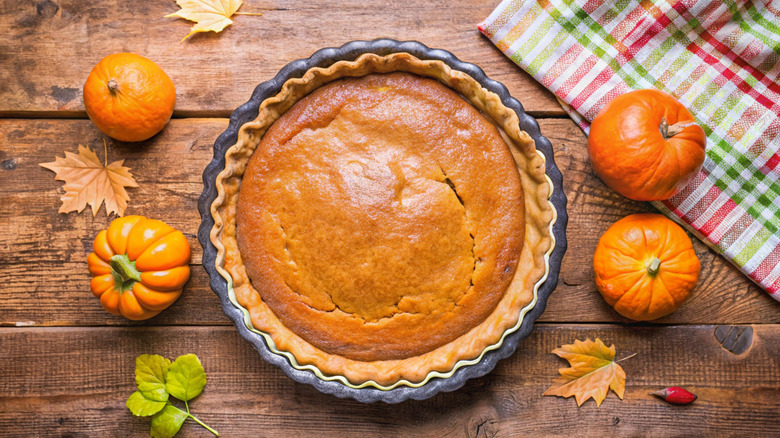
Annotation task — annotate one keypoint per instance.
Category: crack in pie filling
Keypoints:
(378, 228)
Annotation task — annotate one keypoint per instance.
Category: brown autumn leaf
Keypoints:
(592, 372)
(208, 15)
(88, 181)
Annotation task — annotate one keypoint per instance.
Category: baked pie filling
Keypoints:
(373, 219)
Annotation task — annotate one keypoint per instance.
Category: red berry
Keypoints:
(676, 395)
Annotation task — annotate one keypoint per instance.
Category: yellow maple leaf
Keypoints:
(88, 181)
(208, 15)
(592, 372)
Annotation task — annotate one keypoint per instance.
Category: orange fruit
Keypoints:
(646, 145)
(645, 266)
(129, 97)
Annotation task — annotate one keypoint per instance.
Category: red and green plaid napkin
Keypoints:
(719, 58)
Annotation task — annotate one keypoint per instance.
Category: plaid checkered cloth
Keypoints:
(719, 58)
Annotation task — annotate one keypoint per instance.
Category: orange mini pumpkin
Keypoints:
(139, 266)
(646, 145)
(645, 266)
(129, 97)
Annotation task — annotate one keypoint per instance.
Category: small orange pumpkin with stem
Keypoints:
(645, 266)
(139, 266)
(646, 145)
(129, 97)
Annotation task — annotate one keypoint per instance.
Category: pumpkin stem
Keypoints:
(124, 272)
(669, 131)
(654, 266)
(113, 86)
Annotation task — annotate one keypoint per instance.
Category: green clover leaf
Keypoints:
(186, 378)
(141, 406)
(157, 379)
(167, 422)
(150, 376)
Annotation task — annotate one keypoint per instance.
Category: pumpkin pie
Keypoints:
(383, 220)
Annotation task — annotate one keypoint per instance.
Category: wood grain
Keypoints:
(43, 72)
(74, 381)
(34, 239)
(66, 366)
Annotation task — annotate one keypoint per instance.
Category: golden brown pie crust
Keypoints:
(381, 217)
(384, 219)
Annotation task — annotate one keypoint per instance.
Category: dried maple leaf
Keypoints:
(88, 181)
(592, 372)
(208, 15)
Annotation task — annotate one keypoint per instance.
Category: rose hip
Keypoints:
(676, 395)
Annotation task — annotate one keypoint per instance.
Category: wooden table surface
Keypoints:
(66, 366)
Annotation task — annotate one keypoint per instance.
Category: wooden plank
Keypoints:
(169, 168)
(46, 281)
(50, 47)
(74, 381)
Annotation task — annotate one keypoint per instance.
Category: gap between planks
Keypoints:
(197, 114)
(544, 324)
